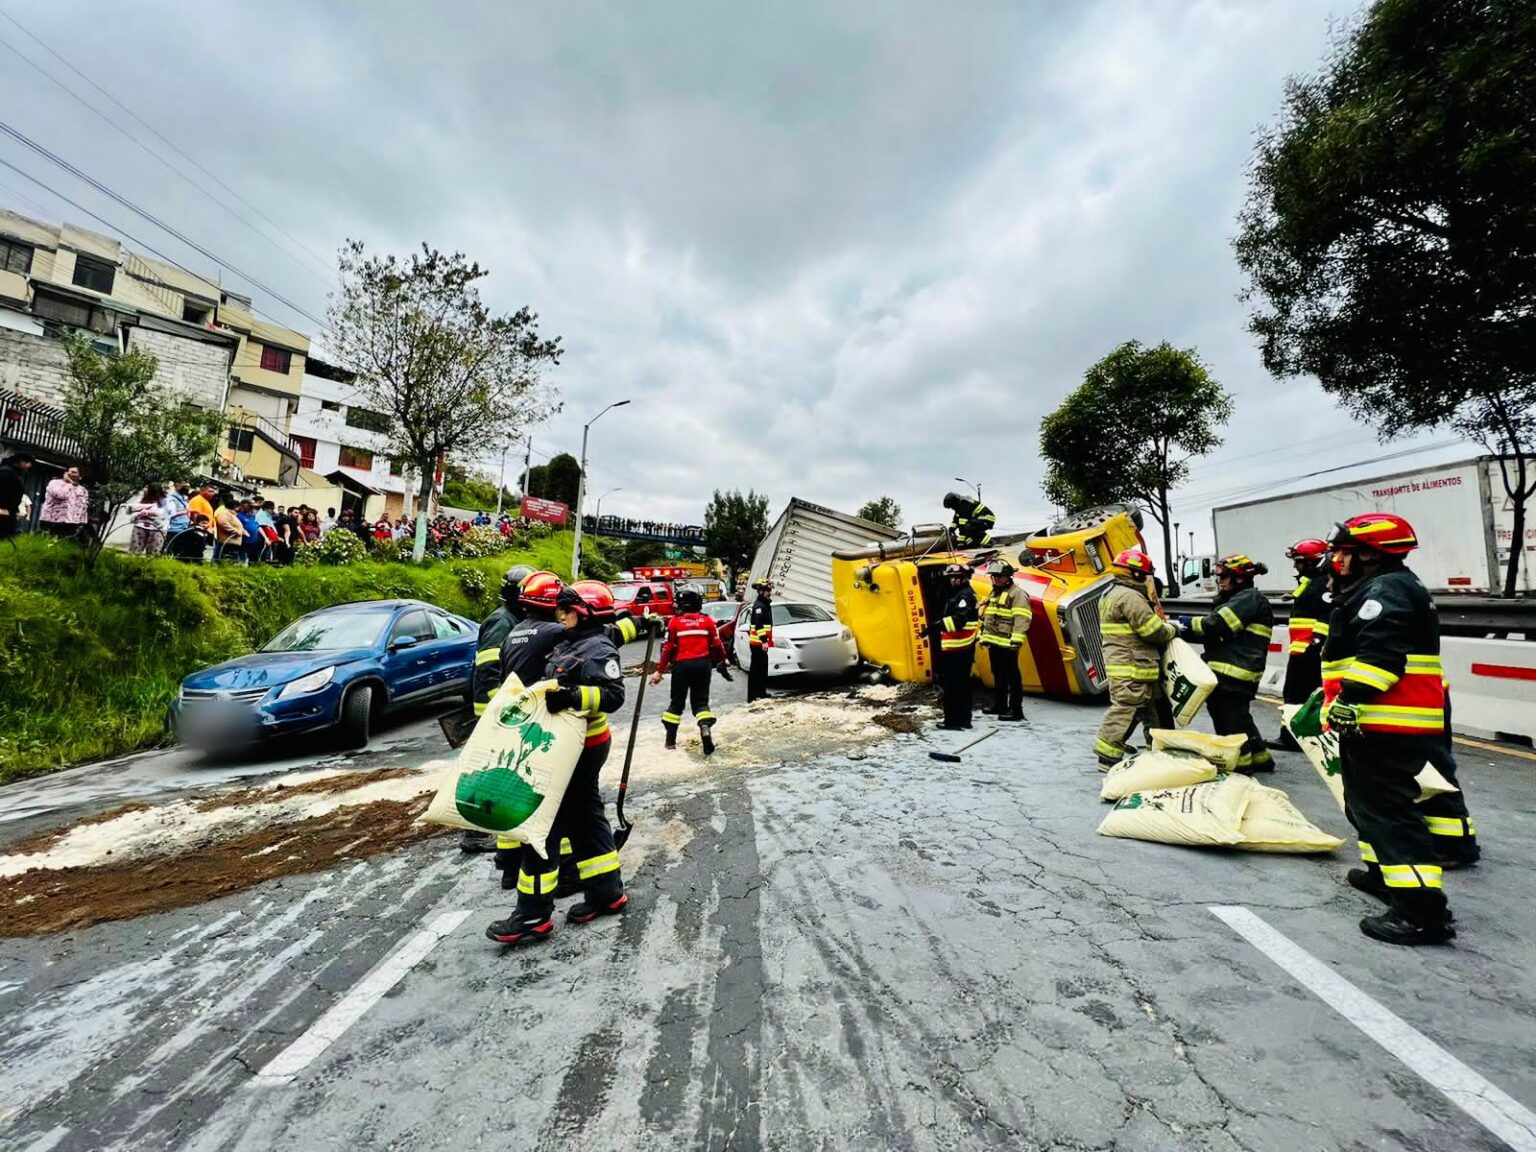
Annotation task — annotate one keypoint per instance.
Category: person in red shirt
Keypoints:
(691, 649)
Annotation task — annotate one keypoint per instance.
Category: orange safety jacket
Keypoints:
(1382, 654)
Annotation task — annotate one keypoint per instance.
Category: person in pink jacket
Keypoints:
(65, 503)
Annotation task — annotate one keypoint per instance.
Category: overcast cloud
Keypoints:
(829, 251)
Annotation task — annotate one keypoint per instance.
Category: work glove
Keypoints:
(725, 671)
(656, 625)
(558, 700)
(1342, 718)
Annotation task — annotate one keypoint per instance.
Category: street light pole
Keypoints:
(597, 511)
(581, 488)
(501, 484)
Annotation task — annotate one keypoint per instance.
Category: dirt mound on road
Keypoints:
(43, 901)
(302, 785)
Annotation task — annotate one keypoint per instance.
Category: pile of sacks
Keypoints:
(1183, 790)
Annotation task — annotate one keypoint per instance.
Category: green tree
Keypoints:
(132, 431)
(562, 478)
(1130, 430)
(734, 525)
(463, 488)
(1389, 237)
(882, 511)
(538, 480)
(454, 377)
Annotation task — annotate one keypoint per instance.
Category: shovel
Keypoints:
(458, 727)
(954, 757)
(621, 834)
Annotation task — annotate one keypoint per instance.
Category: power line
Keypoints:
(323, 263)
(168, 165)
(1259, 487)
(28, 142)
(144, 244)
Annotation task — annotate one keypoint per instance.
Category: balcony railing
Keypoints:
(28, 424)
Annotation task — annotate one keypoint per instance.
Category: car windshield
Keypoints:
(721, 611)
(799, 614)
(621, 593)
(330, 632)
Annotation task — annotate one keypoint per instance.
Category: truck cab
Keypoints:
(1197, 577)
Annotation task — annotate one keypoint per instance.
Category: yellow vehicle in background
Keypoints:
(888, 593)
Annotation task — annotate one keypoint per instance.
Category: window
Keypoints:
(195, 313)
(359, 458)
(414, 623)
(15, 257)
(367, 420)
(447, 627)
(97, 275)
(396, 467)
(329, 406)
(242, 439)
(306, 447)
(276, 359)
(71, 312)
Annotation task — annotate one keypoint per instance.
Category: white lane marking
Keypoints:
(1490, 1106)
(362, 996)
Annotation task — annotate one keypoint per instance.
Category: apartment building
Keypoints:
(345, 443)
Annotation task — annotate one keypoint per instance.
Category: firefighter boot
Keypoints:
(706, 737)
(527, 925)
(477, 842)
(1392, 927)
(671, 727)
(608, 900)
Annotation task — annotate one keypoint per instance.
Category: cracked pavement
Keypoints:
(863, 950)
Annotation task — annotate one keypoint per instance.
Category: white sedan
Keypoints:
(806, 639)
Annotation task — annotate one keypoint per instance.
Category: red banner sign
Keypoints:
(549, 511)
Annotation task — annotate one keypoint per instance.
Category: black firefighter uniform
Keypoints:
(1236, 638)
(1134, 639)
(957, 649)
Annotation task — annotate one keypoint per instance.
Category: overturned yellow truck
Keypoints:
(888, 593)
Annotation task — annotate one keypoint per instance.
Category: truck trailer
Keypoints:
(797, 552)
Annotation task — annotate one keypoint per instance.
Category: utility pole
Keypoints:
(501, 482)
(527, 466)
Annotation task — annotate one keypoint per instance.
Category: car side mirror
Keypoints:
(400, 642)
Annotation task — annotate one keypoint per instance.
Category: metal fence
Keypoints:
(31, 426)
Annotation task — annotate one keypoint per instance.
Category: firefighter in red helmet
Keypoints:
(1236, 638)
(1307, 628)
(1385, 696)
(1134, 639)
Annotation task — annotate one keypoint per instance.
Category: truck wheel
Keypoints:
(356, 712)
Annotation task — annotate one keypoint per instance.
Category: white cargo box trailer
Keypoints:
(797, 552)
(1462, 516)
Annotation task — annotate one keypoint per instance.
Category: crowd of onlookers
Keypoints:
(641, 527)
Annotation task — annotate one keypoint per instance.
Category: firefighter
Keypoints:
(1005, 618)
(1385, 697)
(956, 633)
(759, 640)
(1236, 639)
(971, 523)
(486, 674)
(1308, 628)
(585, 662)
(692, 648)
(1134, 639)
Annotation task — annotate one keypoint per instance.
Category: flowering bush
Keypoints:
(473, 582)
(481, 540)
(335, 547)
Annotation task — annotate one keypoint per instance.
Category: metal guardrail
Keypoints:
(1459, 615)
(29, 424)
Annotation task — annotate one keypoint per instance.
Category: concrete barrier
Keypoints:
(1493, 684)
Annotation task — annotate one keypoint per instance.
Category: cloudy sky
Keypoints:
(828, 250)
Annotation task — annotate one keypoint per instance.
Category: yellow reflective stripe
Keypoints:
(1263, 630)
(1425, 664)
(1234, 622)
(1303, 622)
(955, 645)
(704, 717)
(627, 629)
(1370, 675)
(1132, 672)
(1116, 629)
(1337, 665)
(1446, 825)
(1401, 710)
(671, 718)
(1105, 748)
(598, 865)
(1298, 647)
(590, 698)
(481, 706)
(1197, 626)
(1367, 853)
(1411, 875)
(487, 656)
(542, 884)
(507, 843)
(1232, 670)
(947, 624)
(1320, 627)
(565, 846)
(1150, 627)
(597, 725)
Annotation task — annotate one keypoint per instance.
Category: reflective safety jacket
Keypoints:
(1383, 654)
(526, 649)
(957, 627)
(1005, 617)
(691, 636)
(972, 524)
(1134, 634)
(487, 675)
(760, 624)
(587, 660)
(1309, 611)
(1236, 638)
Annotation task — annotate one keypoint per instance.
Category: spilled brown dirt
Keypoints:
(44, 901)
(897, 722)
(341, 782)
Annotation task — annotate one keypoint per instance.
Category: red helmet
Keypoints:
(1309, 549)
(589, 599)
(1135, 560)
(1384, 532)
(540, 589)
(1240, 566)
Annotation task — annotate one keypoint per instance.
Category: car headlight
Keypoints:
(311, 683)
(847, 635)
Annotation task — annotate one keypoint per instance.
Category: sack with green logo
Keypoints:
(1271, 823)
(1222, 751)
(1321, 747)
(513, 771)
(1201, 814)
(1186, 680)
(1153, 769)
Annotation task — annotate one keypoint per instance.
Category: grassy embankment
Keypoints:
(90, 660)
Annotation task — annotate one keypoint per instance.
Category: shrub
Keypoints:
(481, 540)
(474, 583)
(339, 547)
(386, 551)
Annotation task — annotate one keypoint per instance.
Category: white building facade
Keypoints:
(346, 443)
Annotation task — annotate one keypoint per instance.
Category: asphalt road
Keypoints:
(870, 951)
